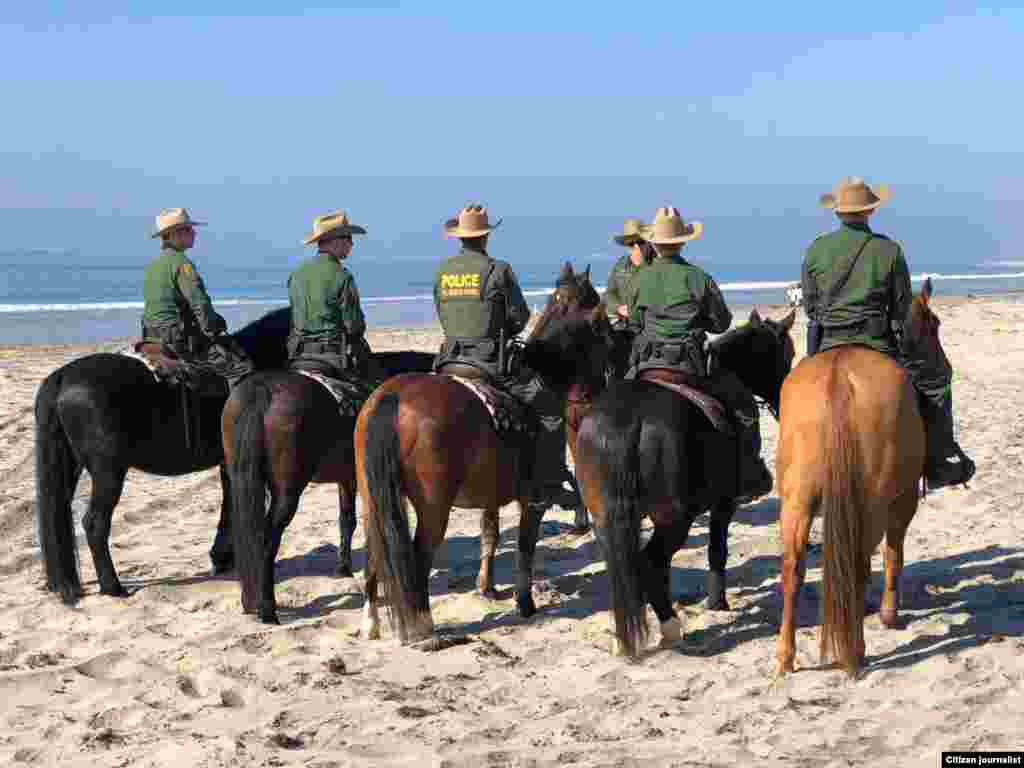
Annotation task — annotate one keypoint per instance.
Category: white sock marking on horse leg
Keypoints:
(371, 621)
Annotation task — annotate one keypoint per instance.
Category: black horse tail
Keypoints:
(391, 551)
(56, 475)
(248, 474)
(621, 459)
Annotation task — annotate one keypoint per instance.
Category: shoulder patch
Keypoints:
(186, 269)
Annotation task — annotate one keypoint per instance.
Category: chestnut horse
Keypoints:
(646, 449)
(851, 449)
(281, 431)
(429, 440)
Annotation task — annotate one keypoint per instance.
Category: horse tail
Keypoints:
(249, 479)
(621, 459)
(56, 475)
(846, 564)
(391, 551)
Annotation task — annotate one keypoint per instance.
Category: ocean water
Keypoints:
(54, 303)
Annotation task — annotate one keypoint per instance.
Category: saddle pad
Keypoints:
(350, 394)
(175, 371)
(509, 415)
(711, 407)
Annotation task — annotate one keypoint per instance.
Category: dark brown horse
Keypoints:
(428, 441)
(646, 450)
(282, 431)
(851, 449)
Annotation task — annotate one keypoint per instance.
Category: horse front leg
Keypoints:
(107, 484)
(718, 554)
(795, 520)
(488, 546)
(346, 528)
(222, 553)
(530, 517)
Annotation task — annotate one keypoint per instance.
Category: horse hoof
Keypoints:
(890, 619)
(526, 605)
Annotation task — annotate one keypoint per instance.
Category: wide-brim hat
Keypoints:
(335, 224)
(472, 221)
(853, 195)
(633, 231)
(670, 229)
(172, 218)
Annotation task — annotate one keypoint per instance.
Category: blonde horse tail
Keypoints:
(842, 507)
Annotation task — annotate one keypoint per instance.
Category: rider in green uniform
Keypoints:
(481, 308)
(177, 311)
(856, 290)
(328, 325)
(673, 304)
(640, 255)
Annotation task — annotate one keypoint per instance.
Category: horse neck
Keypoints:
(745, 364)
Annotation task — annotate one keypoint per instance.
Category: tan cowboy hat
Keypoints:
(335, 222)
(670, 229)
(633, 231)
(471, 222)
(853, 195)
(171, 218)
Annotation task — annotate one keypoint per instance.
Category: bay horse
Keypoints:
(851, 449)
(645, 449)
(281, 431)
(427, 440)
(106, 413)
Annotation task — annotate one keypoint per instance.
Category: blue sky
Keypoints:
(401, 112)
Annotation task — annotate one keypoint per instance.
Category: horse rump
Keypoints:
(57, 473)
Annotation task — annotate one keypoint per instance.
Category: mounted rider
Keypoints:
(856, 290)
(328, 325)
(639, 255)
(673, 304)
(481, 309)
(178, 314)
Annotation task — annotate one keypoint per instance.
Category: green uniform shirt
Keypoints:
(325, 301)
(616, 294)
(476, 296)
(175, 296)
(877, 293)
(672, 298)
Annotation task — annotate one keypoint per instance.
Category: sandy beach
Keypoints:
(175, 675)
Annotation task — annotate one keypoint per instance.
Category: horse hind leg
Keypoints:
(530, 518)
(657, 571)
(901, 513)
(107, 485)
(282, 511)
(718, 554)
(795, 522)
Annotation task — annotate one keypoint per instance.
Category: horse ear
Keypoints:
(566, 273)
(587, 273)
(926, 290)
(787, 321)
(755, 317)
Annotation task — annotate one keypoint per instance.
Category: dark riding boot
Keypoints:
(940, 446)
(227, 358)
(755, 479)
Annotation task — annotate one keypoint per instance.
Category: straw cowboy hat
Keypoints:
(633, 231)
(670, 229)
(335, 223)
(172, 218)
(471, 222)
(853, 195)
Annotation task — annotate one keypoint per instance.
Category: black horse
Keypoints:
(282, 431)
(644, 448)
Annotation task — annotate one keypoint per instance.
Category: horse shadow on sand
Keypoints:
(979, 583)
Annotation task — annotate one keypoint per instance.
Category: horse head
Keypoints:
(921, 331)
(760, 352)
(571, 340)
(264, 340)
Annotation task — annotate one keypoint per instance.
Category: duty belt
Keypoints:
(873, 326)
